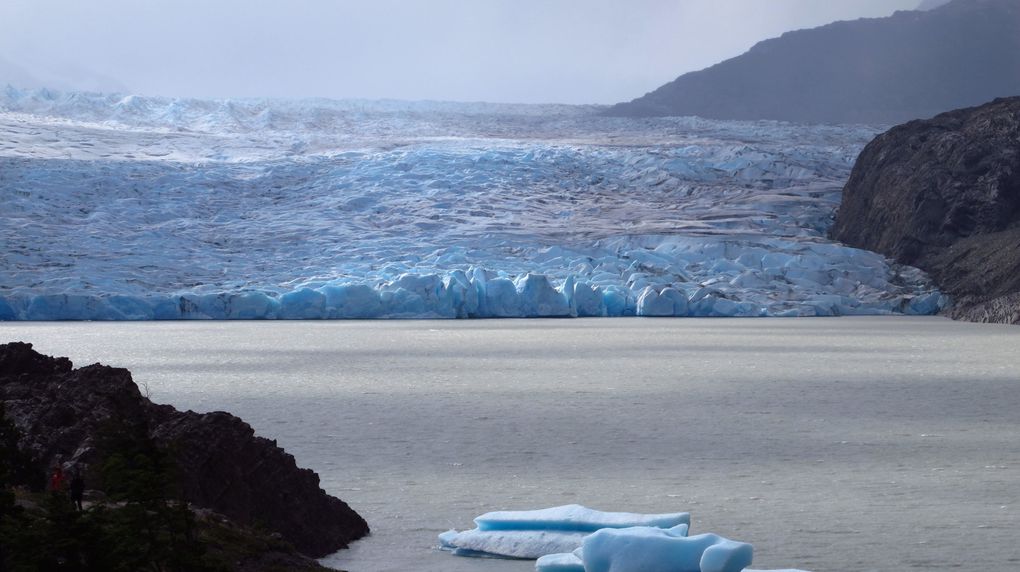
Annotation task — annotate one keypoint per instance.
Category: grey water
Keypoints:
(832, 445)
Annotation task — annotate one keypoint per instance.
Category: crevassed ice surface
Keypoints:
(151, 208)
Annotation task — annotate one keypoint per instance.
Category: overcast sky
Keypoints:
(569, 51)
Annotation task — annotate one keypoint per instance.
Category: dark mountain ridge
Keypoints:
(911, 65)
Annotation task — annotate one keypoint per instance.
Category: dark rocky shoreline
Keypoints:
(944, 195)
(220, 465)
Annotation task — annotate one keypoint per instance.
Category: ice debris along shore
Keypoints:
(574, 538)
(138, 208)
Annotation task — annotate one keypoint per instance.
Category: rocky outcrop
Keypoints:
(220, 464)
(910, 65)
(944, 195)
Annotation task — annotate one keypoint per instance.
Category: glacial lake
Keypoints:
(833, 445)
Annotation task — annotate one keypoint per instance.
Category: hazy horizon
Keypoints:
(565, 51)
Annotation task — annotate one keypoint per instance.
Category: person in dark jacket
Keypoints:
(77, 489)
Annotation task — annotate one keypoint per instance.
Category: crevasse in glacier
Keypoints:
(136, 208)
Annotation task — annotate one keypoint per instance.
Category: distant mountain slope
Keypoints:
(61, 77)
(884, 70)
(932, 4)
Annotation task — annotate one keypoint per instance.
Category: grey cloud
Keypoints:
(572, 51)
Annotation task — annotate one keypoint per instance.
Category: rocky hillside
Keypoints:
(944, 195)
(219, 463)
(911, 65)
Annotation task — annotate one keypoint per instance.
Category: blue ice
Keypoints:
(523, 544)
(646, 549)
(564, 562)
(422, 210)
(536, 533)
(576, 518)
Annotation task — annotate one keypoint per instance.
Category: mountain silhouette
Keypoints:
(910, 65)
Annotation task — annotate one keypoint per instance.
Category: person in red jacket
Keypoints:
(57, 480)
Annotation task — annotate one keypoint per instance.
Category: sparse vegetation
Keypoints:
(140, 523)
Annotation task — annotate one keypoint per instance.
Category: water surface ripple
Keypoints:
(833, 445)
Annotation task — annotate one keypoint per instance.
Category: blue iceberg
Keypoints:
(574, 538)
(647, 549)
(567, 562)
(532, 534)
(522, 544)
(574, 517)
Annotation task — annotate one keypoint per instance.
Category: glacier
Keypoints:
(146, 208)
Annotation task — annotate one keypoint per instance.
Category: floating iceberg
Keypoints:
(646, 549)
(573, 562)
(534, 533)
(523, 544)
(574, 517)
(574, 538)
(139, 208)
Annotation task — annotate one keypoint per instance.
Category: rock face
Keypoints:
(220, 464)
(944, 195)
(910, 65)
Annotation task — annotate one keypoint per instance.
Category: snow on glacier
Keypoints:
(136, 208)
